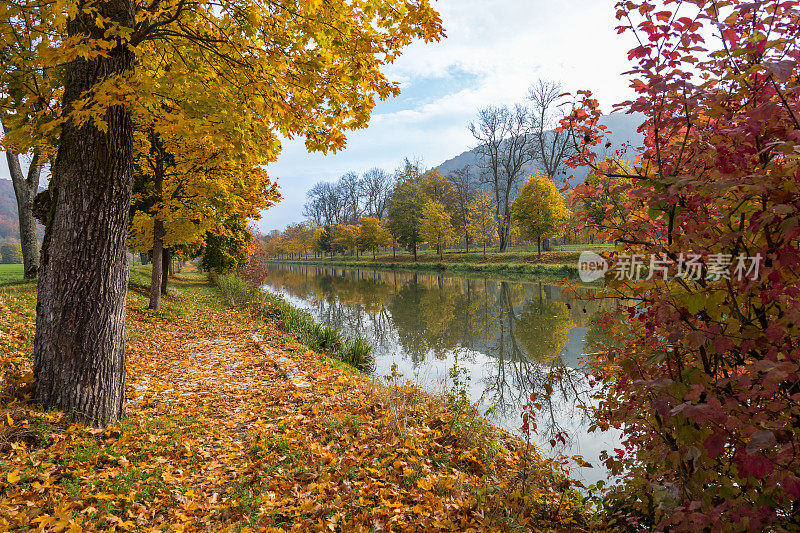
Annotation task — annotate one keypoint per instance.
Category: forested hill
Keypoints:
(623, 130)
(9, 220)
(9, 227)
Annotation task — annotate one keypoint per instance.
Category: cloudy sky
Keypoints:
(494, 50)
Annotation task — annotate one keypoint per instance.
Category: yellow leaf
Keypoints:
(13, 477)
(9, 419)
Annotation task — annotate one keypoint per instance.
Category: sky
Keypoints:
(494, 51)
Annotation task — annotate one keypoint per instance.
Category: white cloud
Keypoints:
(505, 45)
(494, 50)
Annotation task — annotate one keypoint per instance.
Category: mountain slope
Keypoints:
(9, 219)
(623, 130)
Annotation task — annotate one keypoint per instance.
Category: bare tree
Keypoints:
(348, 189)
(376, 185)
(552, 147)
(324, 205)
(505, 148)
(465, 186)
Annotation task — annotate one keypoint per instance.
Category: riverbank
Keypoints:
(557, 264)
(217, 439)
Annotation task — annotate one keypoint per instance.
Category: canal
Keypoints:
(508, 338)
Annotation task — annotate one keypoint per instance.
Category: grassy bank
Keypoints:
(11, 274)
(556, 264)
(356, 352)
(215, 439)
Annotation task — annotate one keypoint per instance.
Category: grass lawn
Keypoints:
(10, 274)
(558, 263)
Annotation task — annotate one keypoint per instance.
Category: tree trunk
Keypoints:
(160, 262)
(415, 252)
(484, 249)
(539, 246)
(166, 259)
(25, 189)
(157, 272)
(79, 348)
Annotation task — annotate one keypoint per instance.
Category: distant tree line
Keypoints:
(512, 194)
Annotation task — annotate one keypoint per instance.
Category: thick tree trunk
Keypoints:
(79, 348)
(539, 246)
(166, 259)
(25, 189)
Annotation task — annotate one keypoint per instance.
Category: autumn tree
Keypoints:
(704, 385)
(345, 237)
(10, 254)
(481, 221)
(266, 50)
(465, 189)
(371, 235)
(20, 120)
(435, 227)
(603, 195)
(539, 210)
(26, 186)
(227, 249)
(405, 209)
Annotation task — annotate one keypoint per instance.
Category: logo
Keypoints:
(591, 266)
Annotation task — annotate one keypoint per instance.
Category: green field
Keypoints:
(10, 274)
(558, 263)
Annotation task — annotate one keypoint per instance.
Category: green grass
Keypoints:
(356, 352)
(11, 274)
(561, 262)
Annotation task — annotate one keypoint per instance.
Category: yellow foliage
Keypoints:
(539, 209)
(435, 226)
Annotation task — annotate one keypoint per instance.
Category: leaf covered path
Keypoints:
(217, 439)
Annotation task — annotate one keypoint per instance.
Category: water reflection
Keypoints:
(510, 336)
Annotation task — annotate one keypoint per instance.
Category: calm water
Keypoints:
(508, 336)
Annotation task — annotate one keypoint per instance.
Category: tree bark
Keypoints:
(159, 266)
(166, 258)
(25, 189)
(156, 272)
(79, 348)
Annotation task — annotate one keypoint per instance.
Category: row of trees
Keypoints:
(191, 98)
(10, 254)
(419, 207)
(511, 143)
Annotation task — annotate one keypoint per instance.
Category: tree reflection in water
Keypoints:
(515, 337)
